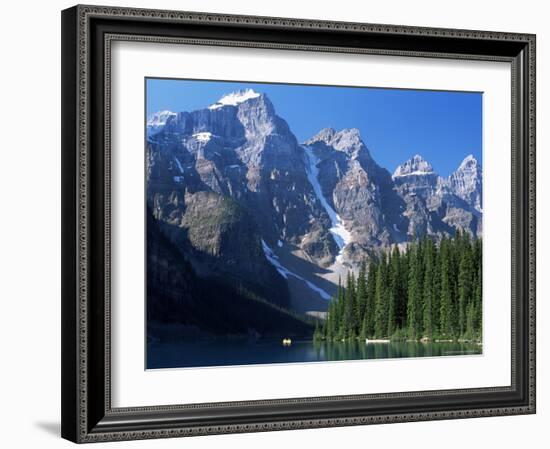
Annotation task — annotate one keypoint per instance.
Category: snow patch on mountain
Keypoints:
(179, 164)
(338, 231)
(416, 166)
(157, 120)
(234, 98)
(203, 137)
(414, 173)
(273, 259)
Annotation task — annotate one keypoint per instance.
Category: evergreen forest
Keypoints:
(428, 292)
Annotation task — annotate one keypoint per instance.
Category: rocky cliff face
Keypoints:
(157, 121)
(466, 182)
(206, 306)
(359, 190)
(433, 206)
(234, 190)
(235, 160)
(436, 206)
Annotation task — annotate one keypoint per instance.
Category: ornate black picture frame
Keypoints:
(87, 34)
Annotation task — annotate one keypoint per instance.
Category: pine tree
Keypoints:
(445, 311)
(338, 312)
(317, 333)
(455, 245)
(371, 298)
(402, 297)
(331, 319)
(381, 307)
(427, 303)
(355, 321)
(393, 292)
(470, 319)
(349, 309)
(464, 286)
(361, 296)
(430, 290)
(323, 329)
(436, 292)
(414, 304)
(478, 300)
(363, 333)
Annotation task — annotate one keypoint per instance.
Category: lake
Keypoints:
(221, 352)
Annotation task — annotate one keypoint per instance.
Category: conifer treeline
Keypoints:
(430, 291)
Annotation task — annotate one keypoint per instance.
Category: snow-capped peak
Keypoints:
(235, 98)
(159, 118)
(414, 166)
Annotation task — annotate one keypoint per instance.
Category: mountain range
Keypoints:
(243, 200)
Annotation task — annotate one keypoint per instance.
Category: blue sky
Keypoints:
(444, 127)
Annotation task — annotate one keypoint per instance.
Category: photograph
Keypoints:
(293, 223)
(272, 222)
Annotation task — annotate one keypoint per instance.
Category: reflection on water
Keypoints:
(182, 354)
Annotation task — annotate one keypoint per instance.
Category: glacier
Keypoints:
(285, 272)
(338, 231)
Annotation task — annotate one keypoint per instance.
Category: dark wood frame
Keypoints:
(87, 32)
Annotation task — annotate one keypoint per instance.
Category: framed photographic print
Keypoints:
(276, 224)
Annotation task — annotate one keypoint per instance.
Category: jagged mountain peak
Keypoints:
(325, 135)
(469, 162)
(235, 98)
(347, 140)
(240, 148)
(330, 136)
(159, 118)
(466, 182)
(238, 115)
(417, 165)
(347, 137)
